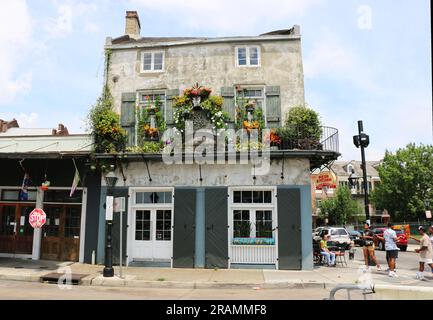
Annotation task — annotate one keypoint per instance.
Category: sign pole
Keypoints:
(121, 242)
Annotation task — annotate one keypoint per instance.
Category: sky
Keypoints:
(363, 60)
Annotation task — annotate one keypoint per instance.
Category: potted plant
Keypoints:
(273, 139)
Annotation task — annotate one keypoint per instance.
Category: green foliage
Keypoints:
(305, 123)
(144, 121)
(406, 182)
(104, 125)
(340, 208)
(258, 118)
(147, 147)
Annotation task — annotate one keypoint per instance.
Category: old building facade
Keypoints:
(208, 215)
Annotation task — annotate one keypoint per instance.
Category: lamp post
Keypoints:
(110, 180)
(362, 141)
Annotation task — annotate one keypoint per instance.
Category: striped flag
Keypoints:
(76, 180)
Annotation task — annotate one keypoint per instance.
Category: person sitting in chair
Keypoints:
(324, 251)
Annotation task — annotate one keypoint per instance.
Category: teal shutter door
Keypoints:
(273, 106)
(228, 94)
(171, 94)
(127, 116)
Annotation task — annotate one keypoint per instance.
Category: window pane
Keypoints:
(146, 236)
(158, 61)
(254, 56)
(258, 196)
(139, 225)
(167, 235)
(237, 197)
(237, 215)
(245, 215)
(267, 196)
(247, 196)
(168, 197)
(242, 56)
(139, 235)
(147, 61)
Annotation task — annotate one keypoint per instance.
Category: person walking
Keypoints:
(368, 247)
(324, 251)
(390, 239)
(425, 252)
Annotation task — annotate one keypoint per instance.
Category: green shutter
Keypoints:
(273, 106)
(171, 94)
(127, 116)
(228, 94)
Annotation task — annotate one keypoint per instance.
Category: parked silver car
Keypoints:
(339, 236)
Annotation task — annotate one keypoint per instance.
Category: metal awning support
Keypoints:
(147, 167)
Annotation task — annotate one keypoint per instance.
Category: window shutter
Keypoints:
(127, 116)
(171, 94)
(273, 106)
(229, 102)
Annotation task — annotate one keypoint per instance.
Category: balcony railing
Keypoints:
(303, 139)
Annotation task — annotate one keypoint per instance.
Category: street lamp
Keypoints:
(362, 141)
(110, 180)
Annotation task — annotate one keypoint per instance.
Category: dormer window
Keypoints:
(349, 169)
(248, 56)
(152, 61)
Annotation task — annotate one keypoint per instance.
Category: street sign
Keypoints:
(109, 208)
(428, 214)
(37, 218)
(119, 204)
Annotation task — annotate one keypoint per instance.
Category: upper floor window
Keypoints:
(248, 56)
(152, 61)
(253, 93)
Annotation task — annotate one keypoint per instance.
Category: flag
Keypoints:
(76, 180)
(24, 194)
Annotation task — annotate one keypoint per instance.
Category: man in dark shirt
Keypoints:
(368, 247)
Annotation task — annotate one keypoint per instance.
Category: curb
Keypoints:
(117, 282)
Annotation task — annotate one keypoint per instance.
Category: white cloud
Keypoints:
(223, 16)
(15, 39)
(62, 25)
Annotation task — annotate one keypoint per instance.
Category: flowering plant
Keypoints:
(197, 91)
(273, 138)
(212, 105)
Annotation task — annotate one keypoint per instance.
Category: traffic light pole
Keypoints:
(364, 172)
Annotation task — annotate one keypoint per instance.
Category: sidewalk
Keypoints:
(320, 277)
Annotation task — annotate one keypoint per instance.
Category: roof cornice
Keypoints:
(136, 45)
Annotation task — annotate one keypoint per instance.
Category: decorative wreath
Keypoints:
(184, 107)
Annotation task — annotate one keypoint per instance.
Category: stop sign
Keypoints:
(37, 218)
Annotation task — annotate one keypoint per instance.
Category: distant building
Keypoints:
(341, 171)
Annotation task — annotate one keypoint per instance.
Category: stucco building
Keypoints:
(212, 214)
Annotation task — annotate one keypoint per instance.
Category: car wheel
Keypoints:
(380, 246)
(403, 248)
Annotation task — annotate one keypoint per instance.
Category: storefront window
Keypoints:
(163, 225)
(63, 196)
(72, 222)
(153, 197)
(14, 195)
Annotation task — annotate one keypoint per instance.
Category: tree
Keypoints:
(406, 182)
(341, 208)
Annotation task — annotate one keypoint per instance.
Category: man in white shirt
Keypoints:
(425, 253)
(390, 237)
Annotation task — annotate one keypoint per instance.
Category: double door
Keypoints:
(16, 233)
(152, 234)
(61, 233)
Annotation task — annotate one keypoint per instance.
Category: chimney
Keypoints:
(132, 25)
(6, 125)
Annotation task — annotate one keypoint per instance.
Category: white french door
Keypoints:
(152, 234)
